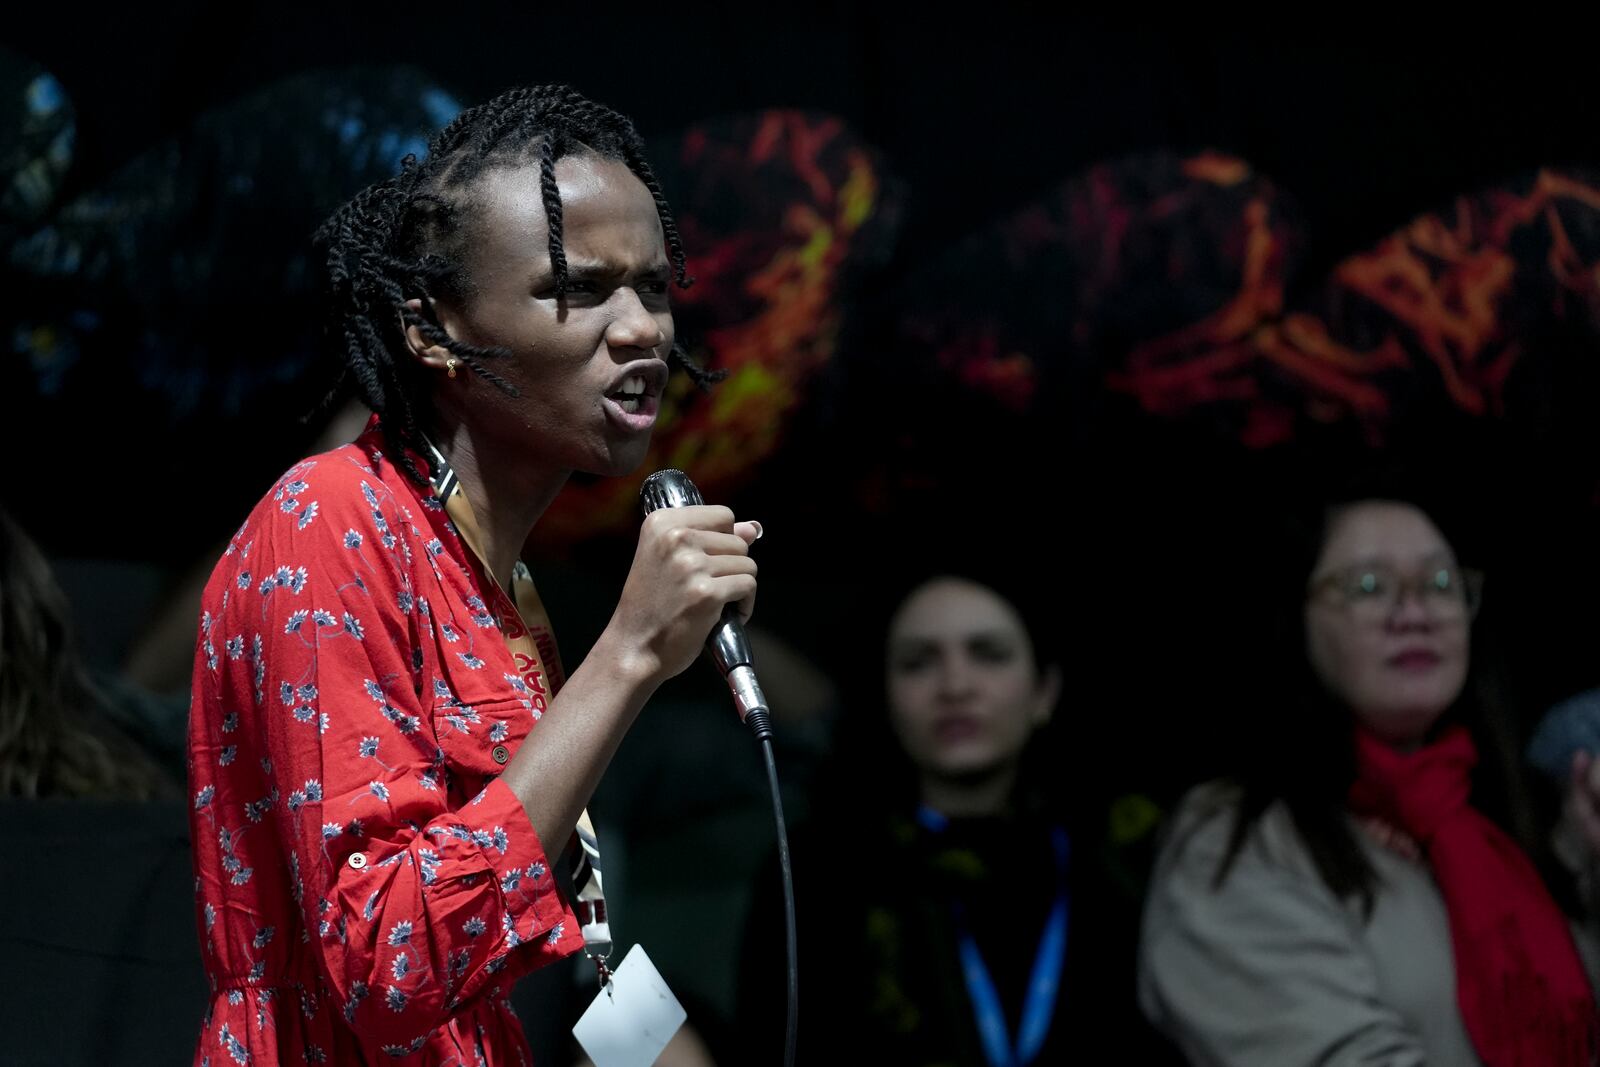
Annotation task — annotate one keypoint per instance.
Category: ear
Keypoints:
(426, 352)
(1046, 694)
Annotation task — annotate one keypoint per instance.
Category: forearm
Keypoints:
(556, 770)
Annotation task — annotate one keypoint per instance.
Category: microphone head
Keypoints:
(668, 489)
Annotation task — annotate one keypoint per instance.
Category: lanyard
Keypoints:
(525, 625)
(1043, 983)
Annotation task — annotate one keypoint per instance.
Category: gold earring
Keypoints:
(450, 366)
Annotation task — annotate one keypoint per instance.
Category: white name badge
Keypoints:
(633, 1018)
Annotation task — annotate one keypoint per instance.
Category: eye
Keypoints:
(1368, 584)
(912, 660)
(992, 652)
(1445, 581)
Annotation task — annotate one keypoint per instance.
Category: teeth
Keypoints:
(629, 404)
(633, 386)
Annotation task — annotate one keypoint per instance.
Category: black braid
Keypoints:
(404, 238)
(552, 209)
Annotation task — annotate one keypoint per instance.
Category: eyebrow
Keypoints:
(598, 269)
(917, 641)
(1440, 555)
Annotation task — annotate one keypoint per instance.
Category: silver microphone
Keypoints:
(727, 644)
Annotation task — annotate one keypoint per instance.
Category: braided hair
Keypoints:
(405, 237)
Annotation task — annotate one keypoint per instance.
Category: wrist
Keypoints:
(629, 664)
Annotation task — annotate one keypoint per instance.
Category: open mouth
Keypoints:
(631, 395)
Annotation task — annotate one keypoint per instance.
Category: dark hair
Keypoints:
(405, 237)
(1298, 715)
(55, 742)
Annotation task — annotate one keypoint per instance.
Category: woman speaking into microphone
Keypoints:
(385, 756)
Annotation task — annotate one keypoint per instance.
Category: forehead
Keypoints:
(1383, 531)
(953, 607)
(608, 217)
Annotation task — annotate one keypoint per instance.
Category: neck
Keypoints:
(507, 497)
(989, 794)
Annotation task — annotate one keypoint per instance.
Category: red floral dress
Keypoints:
(367, 888)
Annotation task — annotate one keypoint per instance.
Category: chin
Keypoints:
(618, 463)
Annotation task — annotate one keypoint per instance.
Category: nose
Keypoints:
(1411, 610)
(955, 678)
(633, 325)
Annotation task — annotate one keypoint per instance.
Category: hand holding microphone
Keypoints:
(669, 491)
(692, 561)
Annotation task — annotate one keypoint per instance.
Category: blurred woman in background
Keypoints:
(1377, 886)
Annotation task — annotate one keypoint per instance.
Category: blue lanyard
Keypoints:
(1043, 984)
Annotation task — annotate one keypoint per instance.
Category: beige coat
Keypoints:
(1272, 970)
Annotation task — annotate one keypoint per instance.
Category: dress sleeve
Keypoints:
(413, 906)
(1266, 970)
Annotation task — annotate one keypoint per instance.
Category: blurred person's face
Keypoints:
(1387, 619)
(965, 693)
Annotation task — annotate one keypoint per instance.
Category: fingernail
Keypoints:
(759, 529)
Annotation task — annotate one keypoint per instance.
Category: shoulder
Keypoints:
(333, 499)
(1201, 837)
(349, 505)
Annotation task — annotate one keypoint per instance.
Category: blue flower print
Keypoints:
(400, 933)
(234, 1047)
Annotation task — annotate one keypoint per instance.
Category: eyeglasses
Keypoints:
(1372, 592)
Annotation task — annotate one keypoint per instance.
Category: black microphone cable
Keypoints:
(730, 651)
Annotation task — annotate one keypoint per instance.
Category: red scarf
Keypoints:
(1524, 996)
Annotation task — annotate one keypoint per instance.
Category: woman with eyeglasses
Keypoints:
(1375, 887)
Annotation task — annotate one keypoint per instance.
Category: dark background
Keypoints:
(1146, 533)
